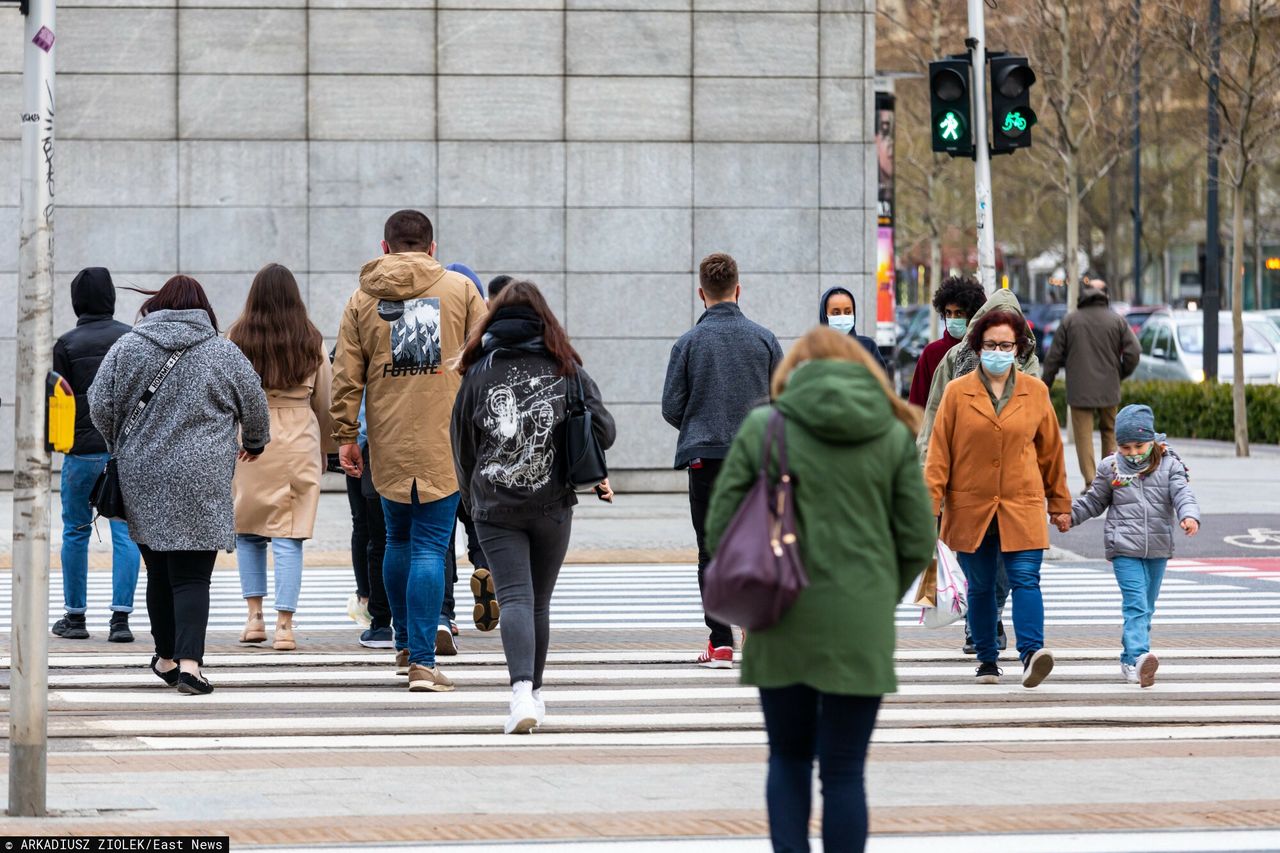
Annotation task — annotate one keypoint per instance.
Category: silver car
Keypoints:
(1173, 349)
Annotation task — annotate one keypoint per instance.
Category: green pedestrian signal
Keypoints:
(950, 104)
(949, 127)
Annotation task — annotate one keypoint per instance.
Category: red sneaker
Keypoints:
(716, 657)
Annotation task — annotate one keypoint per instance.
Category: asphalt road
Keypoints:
(1221, 535)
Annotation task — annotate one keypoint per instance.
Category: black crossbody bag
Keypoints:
(107, 497)
(584, 459)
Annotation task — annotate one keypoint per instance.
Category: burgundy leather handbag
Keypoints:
(756, 574)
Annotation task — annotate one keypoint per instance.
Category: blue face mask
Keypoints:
(841, 322)
(997, 363)
(956, 327)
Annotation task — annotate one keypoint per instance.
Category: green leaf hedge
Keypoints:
(1197, 409)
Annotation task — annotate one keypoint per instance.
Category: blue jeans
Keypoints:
(1139, 581)
(413, 571)
(802, 724)
(79, 474)
(251, 555)
(1023, 568)
(1002, 596)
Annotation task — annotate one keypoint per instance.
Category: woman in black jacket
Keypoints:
(508, 439)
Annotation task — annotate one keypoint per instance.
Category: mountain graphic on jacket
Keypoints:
(415, 333)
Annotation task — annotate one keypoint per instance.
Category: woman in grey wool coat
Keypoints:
(177, 462)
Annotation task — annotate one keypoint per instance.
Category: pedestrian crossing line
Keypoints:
(547, 738)
(254, 657)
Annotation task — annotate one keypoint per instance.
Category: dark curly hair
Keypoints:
(962, 290)
(1021, 333)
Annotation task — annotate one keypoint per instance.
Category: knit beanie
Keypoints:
(1136, 424)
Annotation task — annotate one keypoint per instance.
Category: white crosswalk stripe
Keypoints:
(666, 596)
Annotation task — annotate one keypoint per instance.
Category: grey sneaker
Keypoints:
(431, 679)
(1146, 668)
(378, 638)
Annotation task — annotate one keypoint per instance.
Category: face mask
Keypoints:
(1139, 458)
(841, 322)
(956, 327)
(997, 363)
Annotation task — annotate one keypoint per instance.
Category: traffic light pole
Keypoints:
(29, 655)
(977, 44)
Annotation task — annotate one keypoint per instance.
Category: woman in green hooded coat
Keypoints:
(866, 530)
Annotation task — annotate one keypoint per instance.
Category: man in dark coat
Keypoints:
(76, 357)
(1098, 350)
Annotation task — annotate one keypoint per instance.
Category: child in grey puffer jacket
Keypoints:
(1143, 487)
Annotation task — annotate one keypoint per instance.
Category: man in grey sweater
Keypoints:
(719, 371)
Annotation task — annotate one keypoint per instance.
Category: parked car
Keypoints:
(1138, 316)
(1044, 318)
(913, 337)
(1173, 349)
(1273, 315)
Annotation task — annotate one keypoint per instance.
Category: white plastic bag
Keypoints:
(953, 592)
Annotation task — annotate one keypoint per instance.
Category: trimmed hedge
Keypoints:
(1197, 409)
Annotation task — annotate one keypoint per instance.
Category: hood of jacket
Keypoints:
(832, 291)
(174, 330)
(1092, 296)
(838, 401)
(1001, 300)
(400, 276)
(93, 294)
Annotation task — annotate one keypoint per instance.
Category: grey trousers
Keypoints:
(525, 557)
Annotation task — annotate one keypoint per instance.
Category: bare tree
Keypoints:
(1249, 105)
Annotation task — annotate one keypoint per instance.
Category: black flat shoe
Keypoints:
(193, 685)
(170, 678)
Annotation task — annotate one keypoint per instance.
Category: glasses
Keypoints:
(1003, 346)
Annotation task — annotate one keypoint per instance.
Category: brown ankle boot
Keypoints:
(255, 630)
(284, 638)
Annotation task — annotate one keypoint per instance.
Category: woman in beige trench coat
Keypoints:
(276, 497)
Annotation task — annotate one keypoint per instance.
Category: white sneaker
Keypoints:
(358, 612)
(1146, 668)
(1129, 672)
(524, 711)
(540, 705)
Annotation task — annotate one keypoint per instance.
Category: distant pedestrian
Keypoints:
(368, 606)
(400, 331)
(718, 371)
(177, 459)
(76, 356)
(277, 497)
(1098, 349)
(866, 533)
(995, 458)
(838, 310)
(508, 438)
(497, 283)
(957, 301)
(1144, 490)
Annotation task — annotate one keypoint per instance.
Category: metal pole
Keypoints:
(29, 670)
(1137, 153)
(1212, 263)
(977, 44)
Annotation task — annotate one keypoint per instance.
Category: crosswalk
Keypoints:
(666, 596)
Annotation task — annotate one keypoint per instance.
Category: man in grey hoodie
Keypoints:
(718, 372)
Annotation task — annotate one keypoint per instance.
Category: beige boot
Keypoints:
(255, 630)
(284, 635)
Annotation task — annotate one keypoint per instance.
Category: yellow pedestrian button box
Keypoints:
(62, 413)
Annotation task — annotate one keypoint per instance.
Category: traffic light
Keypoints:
(951, 107)
(1011, 113)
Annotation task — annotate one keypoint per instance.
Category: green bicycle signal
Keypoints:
(1015, 123)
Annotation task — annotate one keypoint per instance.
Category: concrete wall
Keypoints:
(600, 147)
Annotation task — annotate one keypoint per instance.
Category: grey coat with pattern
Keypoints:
(1143, 514)
(177, 463)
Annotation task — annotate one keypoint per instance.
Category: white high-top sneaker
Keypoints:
(524, 711)
(540, 705)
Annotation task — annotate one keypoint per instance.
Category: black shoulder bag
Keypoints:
(584, 460)
(106, 497)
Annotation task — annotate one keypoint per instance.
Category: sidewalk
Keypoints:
(648, 528)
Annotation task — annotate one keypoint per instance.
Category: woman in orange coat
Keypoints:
(995, 457)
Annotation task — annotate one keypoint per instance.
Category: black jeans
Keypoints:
(526, 556)
(803, 723)
(701, 482)
(368, 545)
(178, 601)
(474, 554)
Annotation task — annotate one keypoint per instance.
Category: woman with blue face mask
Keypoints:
(838, 310)
(994, 467)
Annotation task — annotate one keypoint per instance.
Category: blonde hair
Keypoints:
(826, 344)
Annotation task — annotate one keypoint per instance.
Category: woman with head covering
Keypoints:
(839, 311)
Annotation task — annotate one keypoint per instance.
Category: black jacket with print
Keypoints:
(508, 434)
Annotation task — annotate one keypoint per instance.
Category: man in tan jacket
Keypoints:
(400, 331)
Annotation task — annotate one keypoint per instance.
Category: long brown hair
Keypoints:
(524, 294)
(1157, 456)
(274, 331)
(825, 343)
(179, 293)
